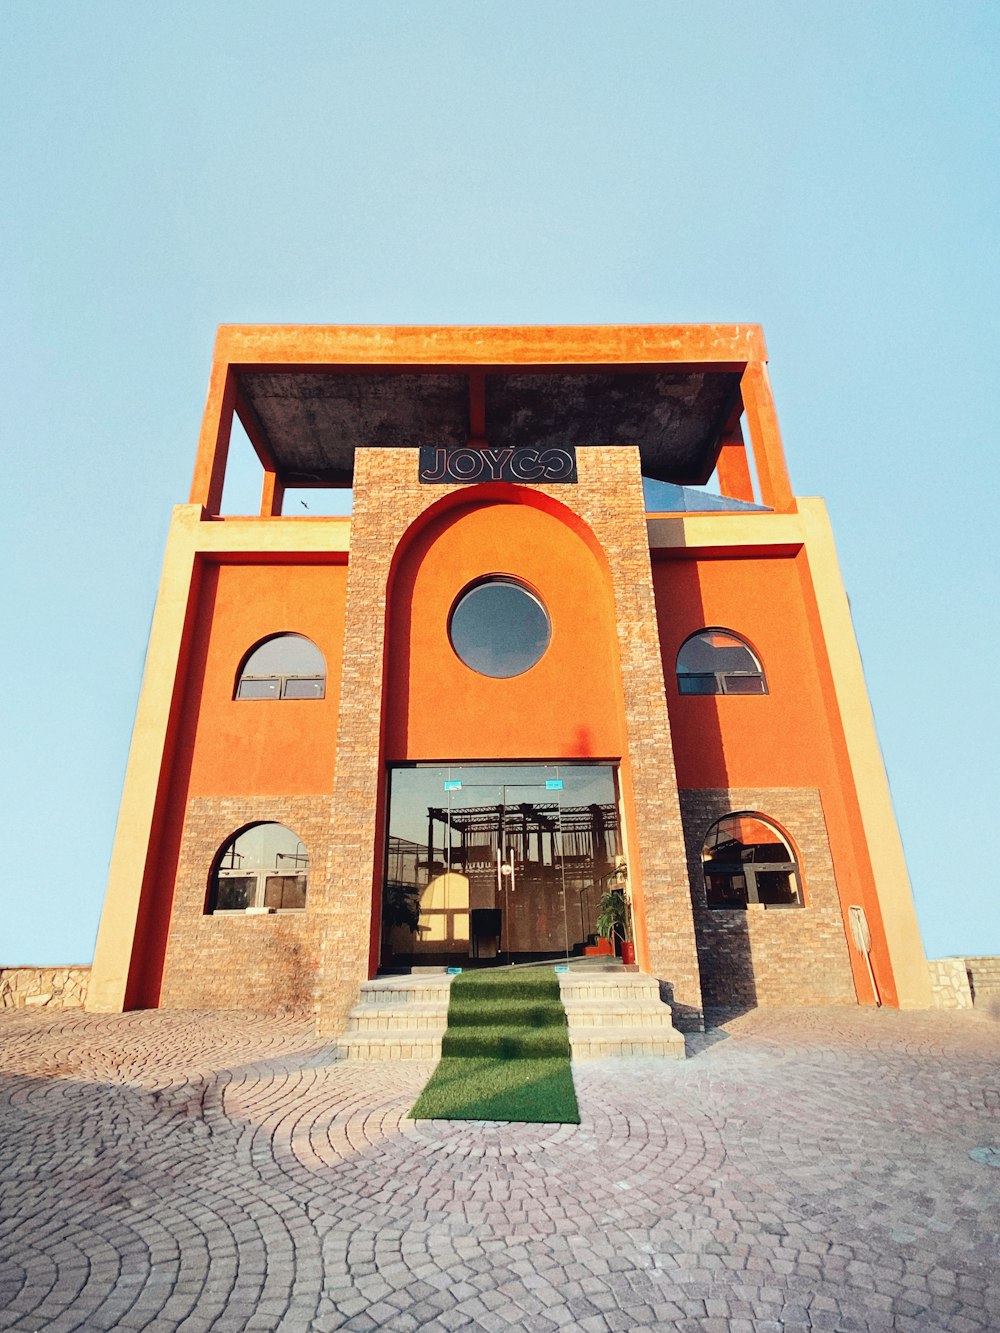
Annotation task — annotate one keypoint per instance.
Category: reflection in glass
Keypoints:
(259, 689)
(235, 893)
(265, 866)
(715, 661)
(532, 843)
(287, 666)
(499, 628)
(746, 860)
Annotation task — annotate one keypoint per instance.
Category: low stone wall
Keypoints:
(949, 983)
(984, 977)
(965, 983)
(956, 983)
(43, 987)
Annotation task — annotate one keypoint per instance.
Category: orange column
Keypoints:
(272, 495)
(768, 455)
(733, 467)
(213, 443)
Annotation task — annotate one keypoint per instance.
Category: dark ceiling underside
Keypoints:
(311, 422)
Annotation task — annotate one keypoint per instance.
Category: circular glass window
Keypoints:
(499, 628)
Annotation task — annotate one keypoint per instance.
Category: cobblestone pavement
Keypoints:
(802, 1170)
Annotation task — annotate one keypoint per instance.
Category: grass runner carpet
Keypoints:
(505, 1054)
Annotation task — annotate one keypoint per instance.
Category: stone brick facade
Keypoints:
(265, 963)
(609, 498)
(767, 956)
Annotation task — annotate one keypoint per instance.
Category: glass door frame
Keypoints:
(551, 775)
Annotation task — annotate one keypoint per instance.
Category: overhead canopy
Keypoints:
(309, 420)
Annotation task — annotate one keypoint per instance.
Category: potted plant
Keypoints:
(400, 907)
(614, 920)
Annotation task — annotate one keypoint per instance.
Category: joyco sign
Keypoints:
(448, 466)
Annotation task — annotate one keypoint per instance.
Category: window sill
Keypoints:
(237, 912)
(759, 907)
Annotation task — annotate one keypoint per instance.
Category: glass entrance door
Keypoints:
(502, 862)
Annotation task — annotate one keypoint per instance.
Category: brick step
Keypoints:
(628, 986)
(609, 1013)
(597, 1043)
(398, 1017)
(406, 990)
(618, 1013)
(399, 1044)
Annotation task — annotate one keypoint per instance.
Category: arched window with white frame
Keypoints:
(263, 868)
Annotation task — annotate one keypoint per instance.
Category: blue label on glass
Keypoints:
(453, 786)
(553, 784)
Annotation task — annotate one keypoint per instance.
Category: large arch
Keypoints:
(564, 708)
(569, 704)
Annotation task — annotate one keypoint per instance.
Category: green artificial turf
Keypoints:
(505, 1055)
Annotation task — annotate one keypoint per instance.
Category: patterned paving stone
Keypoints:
(223, 1172)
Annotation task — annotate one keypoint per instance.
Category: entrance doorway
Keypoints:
(503, 863)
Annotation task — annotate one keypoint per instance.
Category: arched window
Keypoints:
(747, 860)
(286, 666)
(264, 868)
(716, 661)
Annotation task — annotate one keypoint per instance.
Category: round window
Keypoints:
(499, 628)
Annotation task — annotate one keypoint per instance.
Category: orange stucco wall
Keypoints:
(566, 707)
(790, 737)
(221, 746)
(255, 747)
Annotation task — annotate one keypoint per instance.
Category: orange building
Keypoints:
(503, 687)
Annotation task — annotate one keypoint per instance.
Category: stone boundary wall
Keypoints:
(43, 987)
(965, 983)
(949, 983)
(956, 983)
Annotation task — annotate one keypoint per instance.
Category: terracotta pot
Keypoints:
(628, 952)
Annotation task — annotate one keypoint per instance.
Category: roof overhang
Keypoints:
(308, 396)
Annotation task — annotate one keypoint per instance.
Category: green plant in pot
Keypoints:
(614, 919)
(400, 907)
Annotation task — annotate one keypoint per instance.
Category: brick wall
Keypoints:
(265, 963)
(768, 956)
(984, 974)
(387, 499)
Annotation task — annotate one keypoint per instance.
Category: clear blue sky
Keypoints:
(830, 172)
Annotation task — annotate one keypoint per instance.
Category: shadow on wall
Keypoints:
(725, 956)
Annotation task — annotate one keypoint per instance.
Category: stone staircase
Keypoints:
(610, 1012)
(398, 1018)
(617, 1013)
